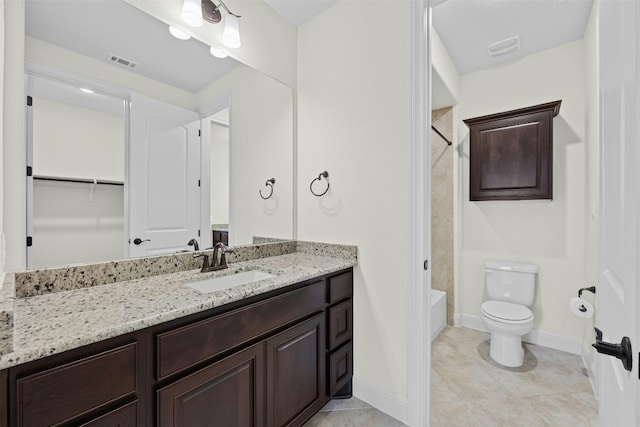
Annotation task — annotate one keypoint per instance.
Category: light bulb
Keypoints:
(217, 52)
(178, 33)
(231, 33)
(192, 13)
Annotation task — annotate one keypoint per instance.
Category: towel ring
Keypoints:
(324, 174)
(269, 183)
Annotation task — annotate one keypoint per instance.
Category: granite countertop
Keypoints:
(51, 323)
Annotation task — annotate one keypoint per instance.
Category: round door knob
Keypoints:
(138, 240)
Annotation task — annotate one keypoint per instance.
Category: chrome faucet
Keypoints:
(219, 258)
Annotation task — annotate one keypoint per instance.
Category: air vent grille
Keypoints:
(123, 62)
(504, 46)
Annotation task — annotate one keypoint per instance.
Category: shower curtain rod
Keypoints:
(441, 135)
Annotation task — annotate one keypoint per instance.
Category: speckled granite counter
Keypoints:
(58, 321)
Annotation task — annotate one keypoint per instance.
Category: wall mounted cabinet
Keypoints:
(511, 154)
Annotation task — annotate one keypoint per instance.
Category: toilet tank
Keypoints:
(511, 281)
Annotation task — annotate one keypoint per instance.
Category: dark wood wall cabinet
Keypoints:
(511, 154)
(269, 360)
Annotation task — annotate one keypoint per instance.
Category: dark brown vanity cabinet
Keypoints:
(511, 154)
(340, 334)
(220, 236)
(97, 385)
(270, 360)
(230, 391)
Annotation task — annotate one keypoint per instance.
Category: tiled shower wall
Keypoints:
(442, 206)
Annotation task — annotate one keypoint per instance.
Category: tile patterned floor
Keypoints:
(469, 389)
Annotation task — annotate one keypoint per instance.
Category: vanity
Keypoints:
(270, 352)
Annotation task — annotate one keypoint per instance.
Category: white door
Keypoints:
(164, 173)
(617, 293)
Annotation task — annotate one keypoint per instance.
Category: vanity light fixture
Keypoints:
(231, 33)
(178, 33)
(192, 13)
(195, 12)
(217, 52)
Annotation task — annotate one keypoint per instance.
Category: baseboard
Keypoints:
(395, 406)
(587, 359)
(545, 339)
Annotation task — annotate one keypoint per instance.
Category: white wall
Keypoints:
(550, 234)
(68, 228)
(260, 147)
(77, 142)
(354, 122)
(2, 240)
(14, 159)
(444, 67)
(219, 211)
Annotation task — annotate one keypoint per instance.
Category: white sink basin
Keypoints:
(225, 282)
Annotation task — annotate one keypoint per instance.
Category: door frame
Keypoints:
(45, 71)
(225, 100)
(418, 319)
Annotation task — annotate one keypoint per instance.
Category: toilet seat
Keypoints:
(508, 312)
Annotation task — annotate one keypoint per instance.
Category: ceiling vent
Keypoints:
(123, 62)
(504, 46)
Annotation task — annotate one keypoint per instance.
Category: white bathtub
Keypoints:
(438, 312)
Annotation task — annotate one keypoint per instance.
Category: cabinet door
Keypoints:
(227, 393)
(296, 373)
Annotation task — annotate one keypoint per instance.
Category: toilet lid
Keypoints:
(506, 310)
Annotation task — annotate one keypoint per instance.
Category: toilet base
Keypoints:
(506, 349)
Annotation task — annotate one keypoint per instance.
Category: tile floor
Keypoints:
(469, 389)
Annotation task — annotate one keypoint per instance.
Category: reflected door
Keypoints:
(164, 173)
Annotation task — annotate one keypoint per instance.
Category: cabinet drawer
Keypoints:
(125, 416)
(195, 343)
(340, 368)
(340, 287)
(63, 393)
(340, 324)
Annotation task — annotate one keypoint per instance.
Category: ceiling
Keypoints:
(125, 31)
(297, 12)
(468, 27)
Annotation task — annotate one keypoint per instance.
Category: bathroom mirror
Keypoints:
(65, 44)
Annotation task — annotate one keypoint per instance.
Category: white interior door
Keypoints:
(617, 296)
(164, 173)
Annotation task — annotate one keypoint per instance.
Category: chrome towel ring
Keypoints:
(269, 184)
(324, 174)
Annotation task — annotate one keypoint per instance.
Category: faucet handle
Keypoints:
(205, 262)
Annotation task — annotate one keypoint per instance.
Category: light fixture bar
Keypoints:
(225, 8)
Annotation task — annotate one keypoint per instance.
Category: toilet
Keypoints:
(511, 290)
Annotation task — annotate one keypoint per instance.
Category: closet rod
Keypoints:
(79, 180)
(441, 135)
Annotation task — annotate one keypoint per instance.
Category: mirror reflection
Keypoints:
(140, 142)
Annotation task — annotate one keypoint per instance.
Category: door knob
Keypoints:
(620, 351)
(138, 240)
